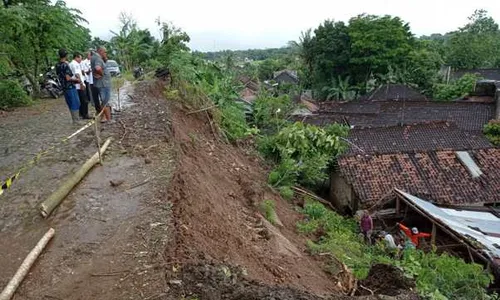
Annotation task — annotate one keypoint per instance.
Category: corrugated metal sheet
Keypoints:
(481, 227)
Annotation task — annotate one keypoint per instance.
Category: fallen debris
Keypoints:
(115, 183)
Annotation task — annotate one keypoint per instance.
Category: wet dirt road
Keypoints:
(109, 239)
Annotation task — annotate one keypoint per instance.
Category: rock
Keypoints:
(115, 183)
(147, 160)
(175, 282)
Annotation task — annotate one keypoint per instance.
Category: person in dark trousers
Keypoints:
(102, 80)
(68, 81)
(92, 91)
(366, 226)
(76, 68)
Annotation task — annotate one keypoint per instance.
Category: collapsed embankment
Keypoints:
(221, 247)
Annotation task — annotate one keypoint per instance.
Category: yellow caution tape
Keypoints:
(8, 183)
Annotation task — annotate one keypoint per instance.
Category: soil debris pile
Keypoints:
(214, 282)
(385, 279)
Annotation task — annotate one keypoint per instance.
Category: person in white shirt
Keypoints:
(389, 240)
(77, 71)
(92, 92)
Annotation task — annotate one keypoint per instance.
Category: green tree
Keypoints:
(172, 42)
(378, 43)
(332, 53)
(476, 45)
(32, 32)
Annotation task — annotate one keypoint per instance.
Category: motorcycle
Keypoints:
(138, 72)
(50, 84)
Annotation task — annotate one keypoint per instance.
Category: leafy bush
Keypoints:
(456, 89)
(436, 275)
(303, 152)
(492, 132)
(233, 121)
(271, 112)
(285, 174)
(267, 207)
(12, 94)
(452, 277)
(286, 192)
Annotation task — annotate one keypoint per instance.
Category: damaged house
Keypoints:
(428, 149)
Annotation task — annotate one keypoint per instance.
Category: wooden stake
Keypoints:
(58, 196)
(433, 235)
(14, 283)
(97, 140)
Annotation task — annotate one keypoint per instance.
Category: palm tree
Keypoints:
(340, 90)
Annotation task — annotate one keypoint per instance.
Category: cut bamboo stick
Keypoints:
(14, 283)
(58, 196)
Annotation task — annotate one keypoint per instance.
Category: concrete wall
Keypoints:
(341, 193)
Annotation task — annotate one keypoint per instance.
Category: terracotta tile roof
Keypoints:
(438, 176)
(394, 92)
(415, 138)
(467, 116)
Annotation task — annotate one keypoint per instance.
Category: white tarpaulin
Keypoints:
(480, 226)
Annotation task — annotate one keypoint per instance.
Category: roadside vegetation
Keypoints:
(438, 276)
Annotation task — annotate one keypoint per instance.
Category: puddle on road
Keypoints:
(95, 205)
(124, 100)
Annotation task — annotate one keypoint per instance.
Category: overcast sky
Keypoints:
(224, 24)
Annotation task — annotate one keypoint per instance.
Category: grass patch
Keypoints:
(267, 207)
(128, 76)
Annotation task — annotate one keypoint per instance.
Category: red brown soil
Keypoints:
(216, 190)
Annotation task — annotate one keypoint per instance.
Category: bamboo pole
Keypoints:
(58, 196)
(14, 283)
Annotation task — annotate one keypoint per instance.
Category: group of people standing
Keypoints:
(411, 237)
(84, 81)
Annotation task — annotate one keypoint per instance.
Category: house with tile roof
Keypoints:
(394, 92)
(444, 177)
(423, 147)
(286, 76)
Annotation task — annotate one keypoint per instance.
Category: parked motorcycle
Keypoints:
(138, 72)
(50, 84)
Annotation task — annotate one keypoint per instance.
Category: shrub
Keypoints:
(285, 174)
(456, 89)
(267, 207)
(304, 152)
(286, 192)
(12, 94)
(233, 121)
(270, 113)
(492, 132)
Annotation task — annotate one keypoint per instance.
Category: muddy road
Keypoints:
(109, 238)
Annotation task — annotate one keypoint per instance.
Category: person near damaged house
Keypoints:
(76, 68)
(413, 234)
(366, 226)
(68, 81)
(102, 81)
